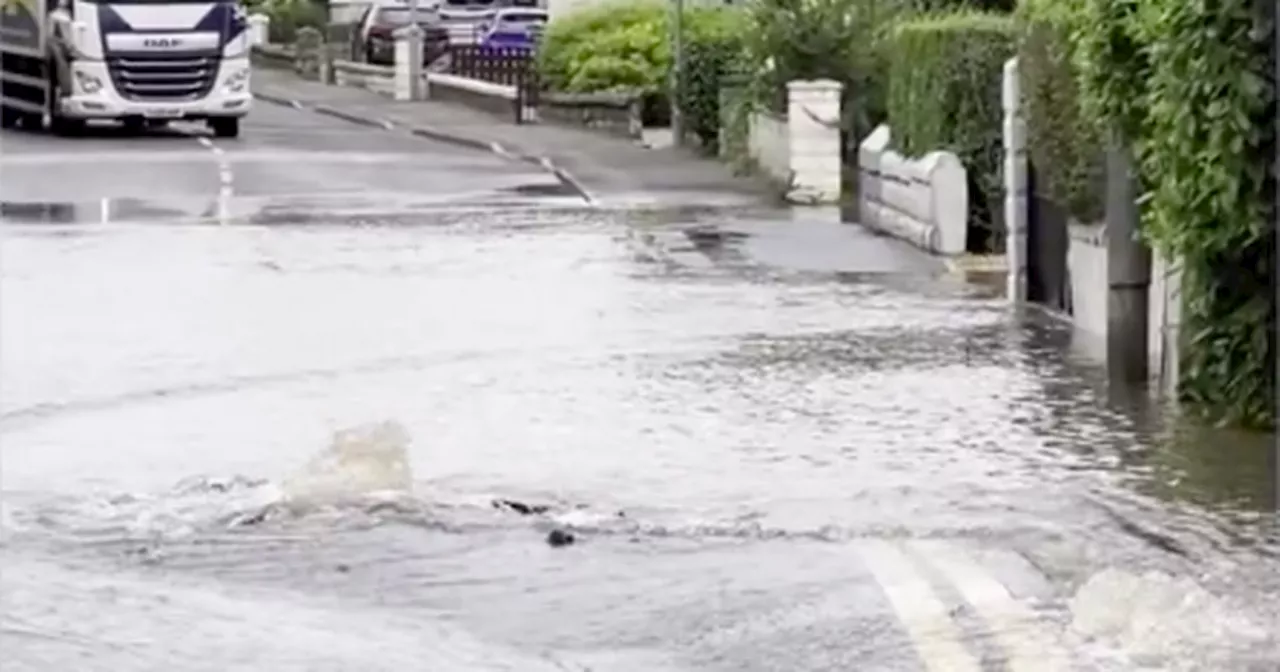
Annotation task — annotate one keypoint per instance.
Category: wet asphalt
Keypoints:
(780, 442)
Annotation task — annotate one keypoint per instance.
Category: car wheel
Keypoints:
(225, 127)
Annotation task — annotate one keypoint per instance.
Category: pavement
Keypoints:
(608, 169)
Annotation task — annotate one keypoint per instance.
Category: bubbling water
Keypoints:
(368, 461)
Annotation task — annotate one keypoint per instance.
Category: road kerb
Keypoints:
(565, 177)
(276, 100)
(451, 138)
(344, 115)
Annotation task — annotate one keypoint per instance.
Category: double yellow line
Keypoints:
(935, 635)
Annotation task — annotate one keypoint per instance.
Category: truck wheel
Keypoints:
(65, 127)
(225, 127)
(59, 124)
(9, 117)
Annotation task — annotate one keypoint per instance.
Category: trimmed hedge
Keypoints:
(944, 93)
(625, 46)
(1064, 142)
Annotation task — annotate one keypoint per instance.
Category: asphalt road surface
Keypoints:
(765, 464)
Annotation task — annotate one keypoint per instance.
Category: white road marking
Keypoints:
(936, 637)
(225, 179)
(1012, 624)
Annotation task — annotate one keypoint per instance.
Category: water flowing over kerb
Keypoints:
(363, 461)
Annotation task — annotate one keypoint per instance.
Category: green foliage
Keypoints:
(945, 93)
(1064, 143)
(1206, 152)
(288, 16)
(614, 46)
(625, 46)
(822, 39)
(1188, 84)
(950, 5)
(710, 60)
(619, 46)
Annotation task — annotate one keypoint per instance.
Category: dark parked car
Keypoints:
(373, 41)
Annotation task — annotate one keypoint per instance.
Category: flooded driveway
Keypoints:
(766, 465)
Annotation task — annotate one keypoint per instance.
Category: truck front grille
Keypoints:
(163, 77)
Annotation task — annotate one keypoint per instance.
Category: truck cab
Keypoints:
(132, 61)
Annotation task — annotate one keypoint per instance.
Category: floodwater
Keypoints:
(276, 447)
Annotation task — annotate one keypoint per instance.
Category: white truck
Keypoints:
(139, 62)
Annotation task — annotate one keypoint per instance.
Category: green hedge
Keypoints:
(625, 46)
(1063, 141)
(1190, 85)
(944, 93)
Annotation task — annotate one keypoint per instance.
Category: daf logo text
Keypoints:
(161, 42)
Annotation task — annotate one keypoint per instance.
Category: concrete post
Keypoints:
(408, 63)
(813, 128)
(1015, 184)
(259, 29)
(1128, 271)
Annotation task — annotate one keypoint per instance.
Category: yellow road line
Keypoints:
(1012, 624)
(936, 637)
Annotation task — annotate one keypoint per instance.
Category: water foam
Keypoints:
(1172, 622)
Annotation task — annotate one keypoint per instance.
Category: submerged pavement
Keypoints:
(782, 444)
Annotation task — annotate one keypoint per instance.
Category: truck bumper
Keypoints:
(94, 97)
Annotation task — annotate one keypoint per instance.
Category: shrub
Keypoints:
(1063, 141)
(608, 47)
(1190, 85)
(625, 46)
(288, 16)
(716, 54)
(945, 93)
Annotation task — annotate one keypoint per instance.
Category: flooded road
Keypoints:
(765, 467)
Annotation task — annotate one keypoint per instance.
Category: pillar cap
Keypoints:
(814, 85)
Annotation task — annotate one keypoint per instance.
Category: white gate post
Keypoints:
(813, 125)
(259, 25)
(408, 63)
(1015, 184)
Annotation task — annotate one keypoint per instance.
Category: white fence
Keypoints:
(924, 201)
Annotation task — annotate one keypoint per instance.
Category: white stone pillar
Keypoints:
(408, 63)
(1015, 184)
(259, 26)
(813, 127)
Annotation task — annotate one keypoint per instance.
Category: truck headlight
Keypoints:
(87, 83)
(238, 81)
